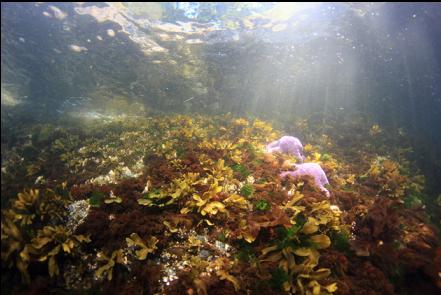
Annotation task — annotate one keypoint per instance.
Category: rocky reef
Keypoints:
(191, 204)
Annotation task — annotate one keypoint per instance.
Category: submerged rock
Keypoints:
(77, 48)
(78, 212)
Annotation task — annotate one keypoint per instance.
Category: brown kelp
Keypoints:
(183, 204)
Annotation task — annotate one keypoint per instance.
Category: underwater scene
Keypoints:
(203, 148)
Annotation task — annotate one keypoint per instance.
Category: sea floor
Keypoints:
(191, 204)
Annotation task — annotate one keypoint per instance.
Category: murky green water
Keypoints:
(143, 149)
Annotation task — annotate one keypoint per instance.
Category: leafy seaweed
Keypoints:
(287, 233)
(221, 237)
(412, 201)
(96, 199)
(153, 194)
(300, 220)
(244, 172)
(247, 190)
(340, 241)
(325, 157)
(262, 205)
(250, 148)
(246, 253)
(180, 151)
(261, 180)
(278, 277)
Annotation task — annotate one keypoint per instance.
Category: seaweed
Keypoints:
(96, 199)
(51, 242)
(193, 203)
(278, 277)
(246, 253)
(112, 199)
(413, 201)
(262, 205)
(242, 170)
(247, 190)
(135, 241)
(106, 270)
(341, 241)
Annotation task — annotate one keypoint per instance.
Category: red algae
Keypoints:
(185, 218)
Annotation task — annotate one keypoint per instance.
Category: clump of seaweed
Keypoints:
(262, 205)
(247, 190)
(25, 224)
(96, 199)
(48, 244)
(52, 242)
(112, 199)
(295, 254)
(32, 206)
(106, 270)
(387, 176)
(13, 244)
(135, 241)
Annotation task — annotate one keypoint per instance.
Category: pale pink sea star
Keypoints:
(289, 145)
(311, 169)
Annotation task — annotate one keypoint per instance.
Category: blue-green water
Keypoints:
(81, 83)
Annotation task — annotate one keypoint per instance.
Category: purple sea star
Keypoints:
(311, 169)
(289, 145)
